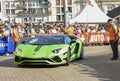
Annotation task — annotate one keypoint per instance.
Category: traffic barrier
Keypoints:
(10, 45)
(6, 45)
(94, 38)
(3, 45)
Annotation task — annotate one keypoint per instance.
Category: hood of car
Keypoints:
(42, 51)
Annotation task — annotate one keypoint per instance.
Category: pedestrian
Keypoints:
(15, 36)
(113, 36)
(119, 34)
(70, 31)
(32, 30)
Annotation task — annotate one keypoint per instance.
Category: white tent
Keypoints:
(91, 13)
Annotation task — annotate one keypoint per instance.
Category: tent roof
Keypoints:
(91, 13)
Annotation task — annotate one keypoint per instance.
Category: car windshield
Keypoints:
(45, 40)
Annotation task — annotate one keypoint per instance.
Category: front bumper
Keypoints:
(56, 60)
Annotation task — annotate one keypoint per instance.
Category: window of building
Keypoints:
(62, 2)
(37, 2)
(57, 2)
(25, 3)
(62, 9)
(32, 3)
(41, 1)
(7, 4)
(110, 7)
(8, 11)
(69, 2)
(40, 10)
(45, 10)
(31, 10)
(12, 4)
(13, 11)
(46, 19)
(46, 2)
(58, 17)
(13, 19)
(62, 17)
(70, 9)
(58, 10)
(37, 11)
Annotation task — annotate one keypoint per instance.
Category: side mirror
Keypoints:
(73, 41)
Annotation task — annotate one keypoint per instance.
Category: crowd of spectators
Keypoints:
(31, 29)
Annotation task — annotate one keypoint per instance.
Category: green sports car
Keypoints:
(49, 50)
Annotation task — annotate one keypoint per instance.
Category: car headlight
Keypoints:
(18, 50)
(56, 51)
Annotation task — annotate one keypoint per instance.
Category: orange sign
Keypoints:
(94, 38)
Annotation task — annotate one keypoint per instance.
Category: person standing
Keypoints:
(70, 31)
(32, 30)
(119, 34)
(113, 36)
(15, 36)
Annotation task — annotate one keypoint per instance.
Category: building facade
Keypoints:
(47, 10)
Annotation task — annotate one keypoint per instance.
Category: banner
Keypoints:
(94, 38)
(6, 45)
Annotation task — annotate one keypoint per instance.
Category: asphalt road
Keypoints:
(96, 66)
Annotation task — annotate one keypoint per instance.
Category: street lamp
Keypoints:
(21, 9)
(30, 10)
(101, 4)
(64, 6)
(81, 3)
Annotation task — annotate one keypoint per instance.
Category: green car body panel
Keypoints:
(44, 55)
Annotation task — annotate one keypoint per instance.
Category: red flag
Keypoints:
(90, 3)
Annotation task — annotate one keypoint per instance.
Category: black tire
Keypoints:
(82, 53)
(19, 65)
(68, 58)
